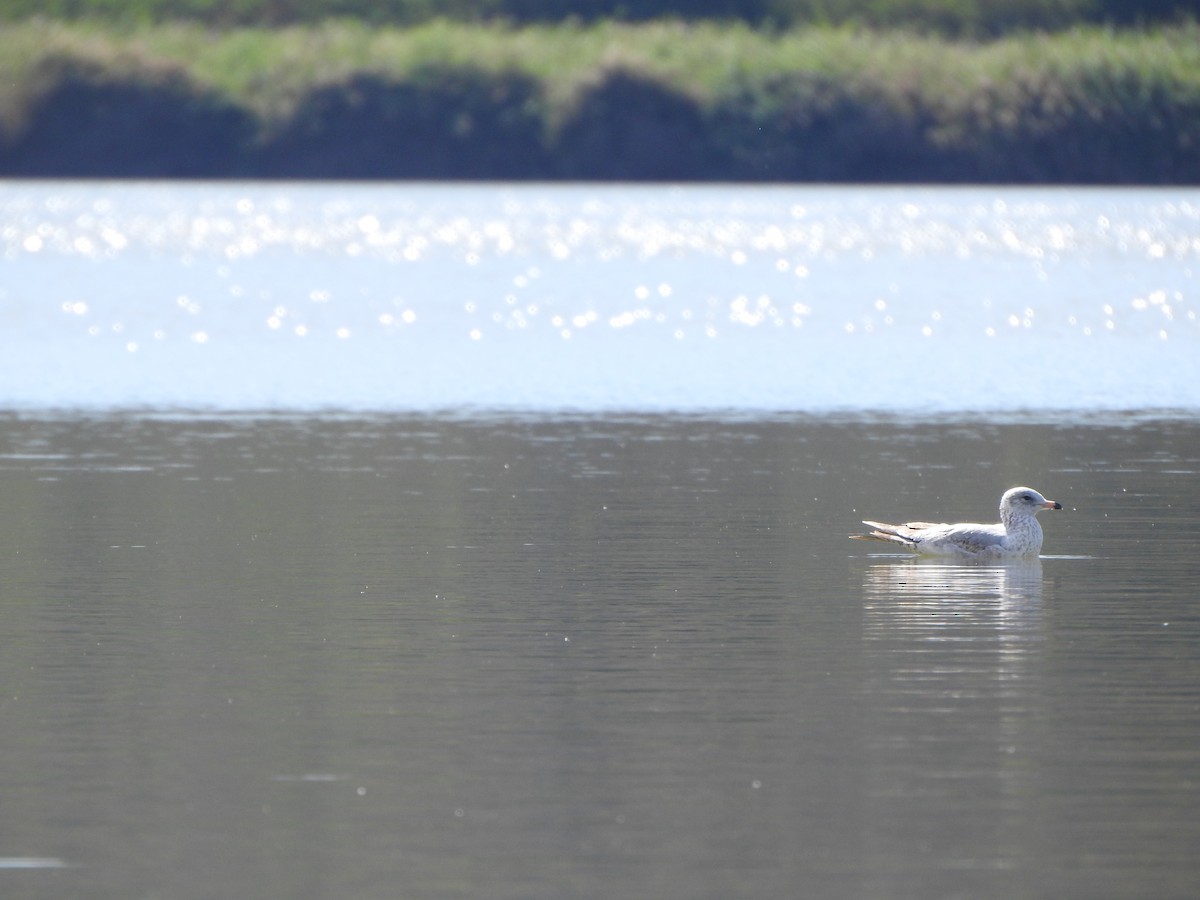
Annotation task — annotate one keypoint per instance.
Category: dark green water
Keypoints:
(411, 657)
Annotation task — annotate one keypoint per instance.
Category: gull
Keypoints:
(1017, 534)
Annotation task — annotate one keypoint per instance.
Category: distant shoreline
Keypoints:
(662, 101)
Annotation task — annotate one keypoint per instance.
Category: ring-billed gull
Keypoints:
(1017, 534)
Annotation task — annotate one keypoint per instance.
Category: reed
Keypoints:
(747, 96)
(949, 17)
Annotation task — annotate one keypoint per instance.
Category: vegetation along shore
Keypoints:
(655, 100)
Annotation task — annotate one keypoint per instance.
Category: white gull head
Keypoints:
(1023, 502)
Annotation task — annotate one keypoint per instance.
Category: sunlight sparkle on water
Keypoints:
(621, 269)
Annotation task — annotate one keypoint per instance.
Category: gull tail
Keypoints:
(904, 535)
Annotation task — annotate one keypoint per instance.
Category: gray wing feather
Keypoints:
(934, 536)
(974, 538)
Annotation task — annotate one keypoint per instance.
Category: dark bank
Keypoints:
(659, 101)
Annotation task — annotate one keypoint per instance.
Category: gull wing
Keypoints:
(970, 538)
(936, 537)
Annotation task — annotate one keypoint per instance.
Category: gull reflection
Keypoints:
(953, 686)
(924, 597)
(954, 646)
(929, 579)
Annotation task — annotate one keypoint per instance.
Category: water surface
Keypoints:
(434, 541)
(591, 657)
(401, 297)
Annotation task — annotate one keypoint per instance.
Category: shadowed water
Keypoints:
(422, 657)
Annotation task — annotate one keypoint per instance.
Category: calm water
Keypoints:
(434, 542)
(592, 657)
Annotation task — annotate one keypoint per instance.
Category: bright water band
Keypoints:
(302, 298)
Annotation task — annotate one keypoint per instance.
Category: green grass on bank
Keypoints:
(949, 17)
(727, 100)
(267, 70)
